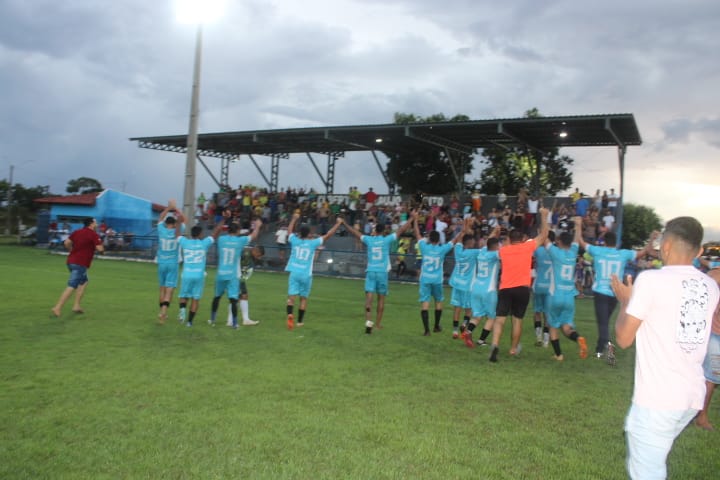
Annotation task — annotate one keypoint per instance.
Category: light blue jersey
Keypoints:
(464, 271)
(543, 271)
(563, 270)
(229, 250)
(487, 268)
(432, 261)
(608, 261)
(167, 251)
(378, 252)
(194, 253)
(303, 254)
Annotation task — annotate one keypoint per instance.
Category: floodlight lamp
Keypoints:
(198, 11)
(563, 134)
(378, 140)
(329, 260)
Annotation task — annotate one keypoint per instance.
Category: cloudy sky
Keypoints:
(79, 77)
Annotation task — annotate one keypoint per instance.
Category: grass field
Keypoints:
(111, 394)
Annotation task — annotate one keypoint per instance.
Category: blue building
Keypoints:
(129, 216)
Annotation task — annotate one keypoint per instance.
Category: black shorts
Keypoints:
(513, 301)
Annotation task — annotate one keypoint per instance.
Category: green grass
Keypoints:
(111, 394)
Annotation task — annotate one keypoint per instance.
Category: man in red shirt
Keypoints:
(82, 244)
(515, 280)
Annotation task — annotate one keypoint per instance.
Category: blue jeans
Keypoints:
(78, 275)
(650, 435)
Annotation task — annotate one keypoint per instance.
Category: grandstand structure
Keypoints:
(449, 138)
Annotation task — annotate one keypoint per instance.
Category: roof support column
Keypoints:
(274, 172)
(262, 174)
(312, 160)
(202, 162)
(225, 171)
(390, 185)
(621, 161)
(330, 178)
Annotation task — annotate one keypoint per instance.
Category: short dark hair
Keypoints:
(688, 230)
(304, 231)
(467, 237)
(434, 236)
(233, 228)
(492, 243)
(610, 239)
(565, 239)
(379, 227)
(551, 236)
(195, 231)
(87, 221)
(516, 235)
(169, 220)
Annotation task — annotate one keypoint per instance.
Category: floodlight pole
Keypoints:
(9, 200)
(191, 159)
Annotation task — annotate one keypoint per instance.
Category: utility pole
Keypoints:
(9, 200)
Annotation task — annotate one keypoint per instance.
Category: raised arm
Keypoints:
(179, 222)
(331, 232)
(416, 229)
(578, 232)
(293, 220)
(403, 228)
(648, 249)
(257, 225)
(353, 231)
(544, 227)
(218, 228)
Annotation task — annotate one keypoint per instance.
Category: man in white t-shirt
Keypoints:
(281, 239)
(441, 225)
(669, 312)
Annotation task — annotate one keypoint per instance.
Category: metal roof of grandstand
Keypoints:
(538, 133)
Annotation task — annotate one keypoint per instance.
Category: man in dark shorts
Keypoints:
(82, 244)
(515, 280)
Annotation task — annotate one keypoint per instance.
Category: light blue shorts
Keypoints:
(168, 274)
(376, 282)
(650, 435)
(711, 365)
(434, 290)
(230, 285)
(192, 288)
(540, 302)
(460, 298)
(561, 310)
(484, 303)
(299, 284)
(78, 275)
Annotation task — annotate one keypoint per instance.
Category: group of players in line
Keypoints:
(490, 280)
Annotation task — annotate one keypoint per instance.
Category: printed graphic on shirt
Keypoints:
(693, 314)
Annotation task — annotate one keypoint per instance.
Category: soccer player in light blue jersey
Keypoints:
(229, 250)
(461, 280)
(300, 266)
(608, 260)
(484, 290)
(431, 274)
(378, 265)
(169, 228)
(561, 303)
(541, 291)
(194, 251)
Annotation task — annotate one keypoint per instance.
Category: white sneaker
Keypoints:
(211, 323)
(249, 323)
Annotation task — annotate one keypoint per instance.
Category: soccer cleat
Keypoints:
(467, 338)
(463, 326)
(493, 354)
(188, 324)
(482, 343)
(546, 339)
(538, 336)
(583, 347)
(211, 322)
(427, 333)
(249, 323)
(455, 335)
(559, 358)
(290, 321)
(299, 324)
(368, 326)
(437, 329)
(611, 354)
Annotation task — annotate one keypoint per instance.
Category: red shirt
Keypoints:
(371, 197)
(84, 241)
(516, 260)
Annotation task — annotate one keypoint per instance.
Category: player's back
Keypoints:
(194, 253)
(464, 270)
(229, 249)
(563, 269)
(487, 268)
(303, 254)
(432, 261)
(608, 261)
(543, 270)
(378, 252)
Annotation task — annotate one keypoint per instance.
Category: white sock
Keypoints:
(244, 308)
(230, 315)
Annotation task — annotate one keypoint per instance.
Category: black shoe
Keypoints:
(427, 333)
(494, 354)
(437, 329)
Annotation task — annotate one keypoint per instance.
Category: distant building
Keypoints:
(126, 214)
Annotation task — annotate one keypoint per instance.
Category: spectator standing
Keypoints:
(668, 312)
